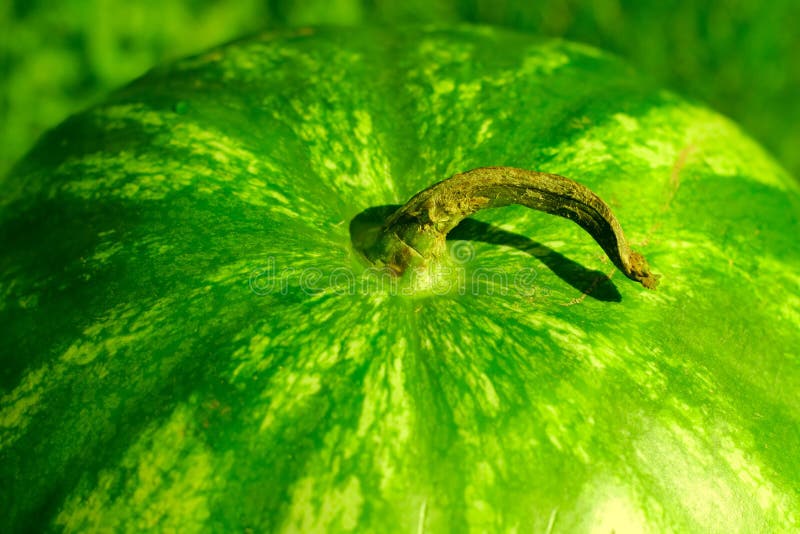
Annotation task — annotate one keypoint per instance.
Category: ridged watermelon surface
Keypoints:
(190, 342)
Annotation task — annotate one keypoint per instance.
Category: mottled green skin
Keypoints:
(151, 380)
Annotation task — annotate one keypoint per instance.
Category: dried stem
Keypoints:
(415, 234)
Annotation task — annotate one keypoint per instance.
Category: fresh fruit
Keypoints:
(192, 340)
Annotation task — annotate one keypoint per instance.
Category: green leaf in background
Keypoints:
(58, 56)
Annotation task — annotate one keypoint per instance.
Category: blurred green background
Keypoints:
(738, 56)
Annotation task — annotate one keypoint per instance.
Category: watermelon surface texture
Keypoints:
(191, 342)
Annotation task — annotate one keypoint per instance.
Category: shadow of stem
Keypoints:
(594, 284)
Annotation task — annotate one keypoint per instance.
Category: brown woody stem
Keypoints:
(415, 234)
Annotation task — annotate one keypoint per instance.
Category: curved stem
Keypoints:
(415, 234)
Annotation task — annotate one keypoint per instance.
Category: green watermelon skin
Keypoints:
(190, 342)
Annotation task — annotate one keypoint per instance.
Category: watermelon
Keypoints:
(193, 338)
